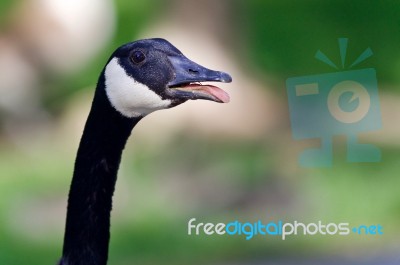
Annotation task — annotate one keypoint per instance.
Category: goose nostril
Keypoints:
(193, 72)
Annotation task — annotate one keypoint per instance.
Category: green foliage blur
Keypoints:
(283, 36)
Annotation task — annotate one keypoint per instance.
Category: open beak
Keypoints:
(188, 75)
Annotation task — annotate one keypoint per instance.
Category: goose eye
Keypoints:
(137, 57)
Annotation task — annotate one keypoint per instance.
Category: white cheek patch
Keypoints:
(127, 96)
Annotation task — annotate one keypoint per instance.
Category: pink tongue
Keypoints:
(211, 90)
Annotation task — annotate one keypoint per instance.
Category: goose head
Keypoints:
(151, 74)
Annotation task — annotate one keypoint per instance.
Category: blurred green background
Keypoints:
(215, 163)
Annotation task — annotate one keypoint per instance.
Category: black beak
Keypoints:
(188, 74)
(187, 71)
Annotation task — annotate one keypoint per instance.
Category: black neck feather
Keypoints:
(90, 199)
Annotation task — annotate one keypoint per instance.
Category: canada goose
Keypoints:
(139, 78)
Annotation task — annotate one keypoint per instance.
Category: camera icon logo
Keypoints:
(340, 103)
